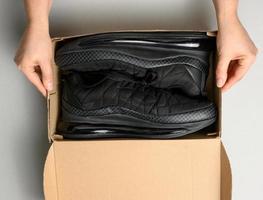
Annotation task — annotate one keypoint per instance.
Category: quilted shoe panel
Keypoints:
(101, 96)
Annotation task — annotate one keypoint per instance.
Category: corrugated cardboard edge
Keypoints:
(54, 92)
(49, 179)
(226, 175)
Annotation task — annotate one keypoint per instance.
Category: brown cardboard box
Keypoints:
(195, 167)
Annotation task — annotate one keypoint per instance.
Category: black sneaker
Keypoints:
(115, 101)
(178, 60)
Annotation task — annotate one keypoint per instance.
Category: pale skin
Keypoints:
(236, 51)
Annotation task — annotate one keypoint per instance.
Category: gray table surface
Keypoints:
(23, 143)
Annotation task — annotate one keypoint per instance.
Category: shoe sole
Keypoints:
(93, 131)
(123, 125)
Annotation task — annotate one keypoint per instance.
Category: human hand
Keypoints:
(236, 53)
(34, 57)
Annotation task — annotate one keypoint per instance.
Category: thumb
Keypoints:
(221, 70)
(47, 75)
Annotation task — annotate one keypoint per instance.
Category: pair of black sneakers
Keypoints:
(135, 84)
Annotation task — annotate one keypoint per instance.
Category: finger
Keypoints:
(236, 73)
(34, 78)
(47, 76)
(221, 70)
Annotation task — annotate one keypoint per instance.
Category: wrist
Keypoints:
(41, 26)
(227, 16)
(226, 11)
(227, 19)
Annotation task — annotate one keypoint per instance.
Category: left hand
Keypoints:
(236, 53)
(34, 57)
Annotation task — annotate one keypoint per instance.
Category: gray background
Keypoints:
(23, 143)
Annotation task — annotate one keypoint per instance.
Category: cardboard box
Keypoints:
(194, 167)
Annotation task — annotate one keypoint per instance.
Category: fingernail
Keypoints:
(49, 86)
(219, 82)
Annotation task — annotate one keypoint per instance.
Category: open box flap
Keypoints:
(51, 187)
(120, 169)
(53, 96)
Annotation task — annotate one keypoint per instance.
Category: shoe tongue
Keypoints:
(84, 79)
(150, 76)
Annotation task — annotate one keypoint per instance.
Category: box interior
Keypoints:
(53, 100)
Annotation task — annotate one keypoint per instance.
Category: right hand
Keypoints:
(236, 53)
(34, 57)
